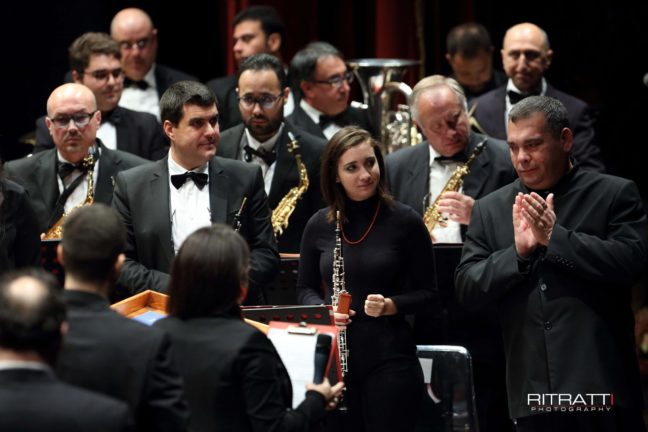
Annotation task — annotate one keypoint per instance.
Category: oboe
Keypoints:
(341, 299)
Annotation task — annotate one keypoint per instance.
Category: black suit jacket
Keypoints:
(119, 357)
(138, 133)
(35, 401)
(566, 317)
(19, 233)
(354, 116)
(490, 114)
(37, 174)
(408, 171)
(142, 199)
(286, 176)
(234, 379)
(165, 76)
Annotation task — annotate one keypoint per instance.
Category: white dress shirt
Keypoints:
(510, 86)
(78, 195)
(440, 173)
(143, 100)
(268, 146)
(189, 206)
(107, 133)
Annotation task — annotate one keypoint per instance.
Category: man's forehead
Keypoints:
(247, 27)
(194, 111)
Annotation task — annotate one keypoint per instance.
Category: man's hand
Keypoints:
(377, 305)
(457, 206)
(539, 215)
(525, 241)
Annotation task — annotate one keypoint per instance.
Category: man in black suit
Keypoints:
(417, 175)
(469, 52)
(104, 351)
(526, 56)
(263, 138)
(57, 179)
(558, 251)
(162, 203)
(257, 30)
(146, 81)
(32, 327)
(324, 81)
(95, 63)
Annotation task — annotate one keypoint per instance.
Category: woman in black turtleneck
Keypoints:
(389, 271)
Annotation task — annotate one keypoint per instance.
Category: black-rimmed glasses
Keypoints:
(265, 101)
(336, 81)
(129, 45)
(81, 120)
(103, 74)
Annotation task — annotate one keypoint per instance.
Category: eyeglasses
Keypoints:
(129, 45)
(103, 74)
(265, 101)
(80, 120)
(336, 81)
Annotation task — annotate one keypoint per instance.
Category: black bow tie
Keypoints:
(112, 117)
(458, 157)
(64, 169)
(142, 85)
(200, 179)
(267, 156)
(339, 119)
(515, 97)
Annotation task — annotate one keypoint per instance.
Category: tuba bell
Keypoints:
(380, 81)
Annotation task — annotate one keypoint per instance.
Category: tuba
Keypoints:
(286, 206)
(56, 231)
(380, 82)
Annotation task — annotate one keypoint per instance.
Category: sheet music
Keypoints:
(297, 353)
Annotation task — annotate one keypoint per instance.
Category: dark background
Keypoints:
(600, 50)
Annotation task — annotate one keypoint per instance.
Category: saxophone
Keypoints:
(432, 215)
(56, 231)
(340, 295)
(286, 206)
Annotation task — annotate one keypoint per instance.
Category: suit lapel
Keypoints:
(108, 167)
(218, 187)
(284, 168)
(419, 173)
(160, 205)
(42, 177)
(230, 145)
(302, 119)
(477, 179)
(124, 136)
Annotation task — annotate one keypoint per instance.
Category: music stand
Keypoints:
(319, 314)
(50, 261)
(284, 290)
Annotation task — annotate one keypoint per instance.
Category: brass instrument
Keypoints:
(339, 292)
(56, 231)
(432, 215)
(380, 81)
(286, 206)
(472, 121)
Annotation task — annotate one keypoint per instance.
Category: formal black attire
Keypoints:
(122, 358)
(491, 111)
(384, 382)
(37, 174)
(350, 117)
(33, 400)
(477, 329)
(234, 379)
(142, 199)
(138, 133)
(286, 177)
(19, 233)
(497, 79)
(565, 311)
(166, 75)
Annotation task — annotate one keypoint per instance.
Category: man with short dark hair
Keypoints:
(162, 203)
(95, 63)
(263, 138)
(324, 81)
(257, 30)
(470, 55)
(145, 80)
(32, 327)
(57, 179)
(557, 251)
(104, 351)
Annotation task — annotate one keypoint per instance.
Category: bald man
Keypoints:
(526, 55)
(145, 80)
(57, 179)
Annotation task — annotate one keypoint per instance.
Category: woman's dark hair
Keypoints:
(333, 191)
(208, 272)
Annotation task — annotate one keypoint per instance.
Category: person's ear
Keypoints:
(243, 294)
(119, 263)
(274, 43)
(566, 140)
(59, 253)
(168, 129)
(76, 77)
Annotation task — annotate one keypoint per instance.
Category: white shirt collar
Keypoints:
(23, 364)
(176, 168)
(268, 144)
(511, 86)
(310, 111)
(150, 77)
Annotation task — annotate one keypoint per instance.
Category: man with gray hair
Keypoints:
(417, 175)
(557, 251)
(322, 76)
